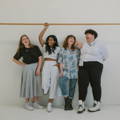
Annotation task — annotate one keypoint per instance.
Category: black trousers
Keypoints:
(91, 73)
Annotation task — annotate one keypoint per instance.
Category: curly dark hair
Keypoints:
(48, 48)
(93, 32)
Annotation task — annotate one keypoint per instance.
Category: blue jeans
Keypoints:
(67, 86)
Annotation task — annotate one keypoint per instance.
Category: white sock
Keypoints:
(80, 102)
(49, 103)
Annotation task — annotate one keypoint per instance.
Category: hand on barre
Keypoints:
(46, 25)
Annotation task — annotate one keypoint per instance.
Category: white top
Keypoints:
(53, 55)
(94, 51)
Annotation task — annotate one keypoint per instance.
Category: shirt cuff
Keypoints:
(81, 63)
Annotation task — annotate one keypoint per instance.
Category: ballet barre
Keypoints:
(74, 24)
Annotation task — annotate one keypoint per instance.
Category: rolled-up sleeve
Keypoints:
(60, 57)
(78, 54)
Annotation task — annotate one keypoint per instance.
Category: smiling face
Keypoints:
(51, 41)
(89, 37)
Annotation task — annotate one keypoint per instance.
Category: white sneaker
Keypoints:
(95, 108)
(49, 107)
(81, 107)
(28, 106)
(37, 106)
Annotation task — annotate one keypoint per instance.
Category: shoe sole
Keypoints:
(37, 108)
(79, 112)
(68, 109)
(49, 111)
(29, 109)
(93, 111)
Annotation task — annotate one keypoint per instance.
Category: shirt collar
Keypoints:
(92, 43)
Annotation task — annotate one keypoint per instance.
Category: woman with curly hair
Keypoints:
(50, 70)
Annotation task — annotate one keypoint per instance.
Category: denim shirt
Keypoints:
(69, 59)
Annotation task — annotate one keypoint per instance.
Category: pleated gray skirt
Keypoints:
(30, 83)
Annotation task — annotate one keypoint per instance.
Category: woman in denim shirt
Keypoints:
(68, 59)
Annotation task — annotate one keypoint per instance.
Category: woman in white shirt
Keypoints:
(50, 72)
(93, 54)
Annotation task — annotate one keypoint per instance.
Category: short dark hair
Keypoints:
(93, 32)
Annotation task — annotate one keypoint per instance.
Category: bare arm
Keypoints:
(42, 42)
(61, 67)
(38, 69)
(18, 62)
(61, 70)
(79, 44)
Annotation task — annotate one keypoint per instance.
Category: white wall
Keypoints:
(58, 11)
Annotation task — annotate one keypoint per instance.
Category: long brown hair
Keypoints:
(65, 43)
(21, 45)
